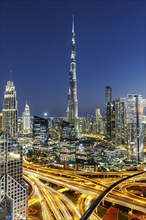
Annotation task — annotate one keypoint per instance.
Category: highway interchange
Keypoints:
(57, 205)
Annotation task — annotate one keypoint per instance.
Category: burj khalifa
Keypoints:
(72, 101)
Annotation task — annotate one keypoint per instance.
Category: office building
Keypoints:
(10, 110)
(108, 101)
(110, 121)
(1, 121)
(26, 119)
(67, 132)
(85, 152)
(13, 196)
(108, 95)
(40, 130)
(67, 151)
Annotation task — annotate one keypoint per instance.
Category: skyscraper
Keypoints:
(134, 117)
(13, 196)
(99, 122)
(26, 119)
(72, 101)
(10, 111)
(108, 95)
(108, 106)
(120, 122)
(110, 121)
(40, 130)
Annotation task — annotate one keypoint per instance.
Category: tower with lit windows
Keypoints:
(72, 101)
(26, 119)
(108, 95)
(120, 122)
(108, 110)
(134, 117)
(13, 193)
(10, 110)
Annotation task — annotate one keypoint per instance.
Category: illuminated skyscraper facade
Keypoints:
(110, 120)
(108, 111)
(99, 121)
(13, 196)
(134, 116)
(72, 101)
(26, 119)
(120, 122)
(10, 111)
(108, 95)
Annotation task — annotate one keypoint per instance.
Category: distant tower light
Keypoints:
(45, 114)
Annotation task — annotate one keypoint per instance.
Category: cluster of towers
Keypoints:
(123, 116)
(9, 116)
(124, 121)
(123, 124)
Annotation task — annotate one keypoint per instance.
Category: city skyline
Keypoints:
(36, 45)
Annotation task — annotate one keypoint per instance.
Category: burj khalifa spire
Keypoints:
(72, 101)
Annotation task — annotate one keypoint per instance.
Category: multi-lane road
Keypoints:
(55, 204)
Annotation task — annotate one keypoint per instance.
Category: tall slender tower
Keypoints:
(10, 111)
(72, 101)
(108, 95)
(108, 102)
(26, 119)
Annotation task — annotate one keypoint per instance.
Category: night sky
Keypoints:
(35, 43)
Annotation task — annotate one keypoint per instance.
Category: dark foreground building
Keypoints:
(40, 129)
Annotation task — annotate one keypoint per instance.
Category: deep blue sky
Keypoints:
(35, 39)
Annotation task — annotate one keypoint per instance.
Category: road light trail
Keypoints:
(67, 202)
(125, 191)
(48, 199)
(122, 199)
(73, 181)
(36, 192)
(56, 202)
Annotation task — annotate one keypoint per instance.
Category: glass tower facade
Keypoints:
(13, 193)
(40, 129)
(108, 95)
(134, 116)
(26, 119)
(72, 100)
(10, 111)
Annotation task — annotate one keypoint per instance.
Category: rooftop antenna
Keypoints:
(73, 26)
(10, 75)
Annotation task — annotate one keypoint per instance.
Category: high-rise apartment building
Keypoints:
(134, 118)
(120, 122)
(99, 122)
(10, 111)
(13, 196)
(26, 119)
(72, 101)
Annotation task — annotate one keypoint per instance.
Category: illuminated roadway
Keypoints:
(60, 206)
